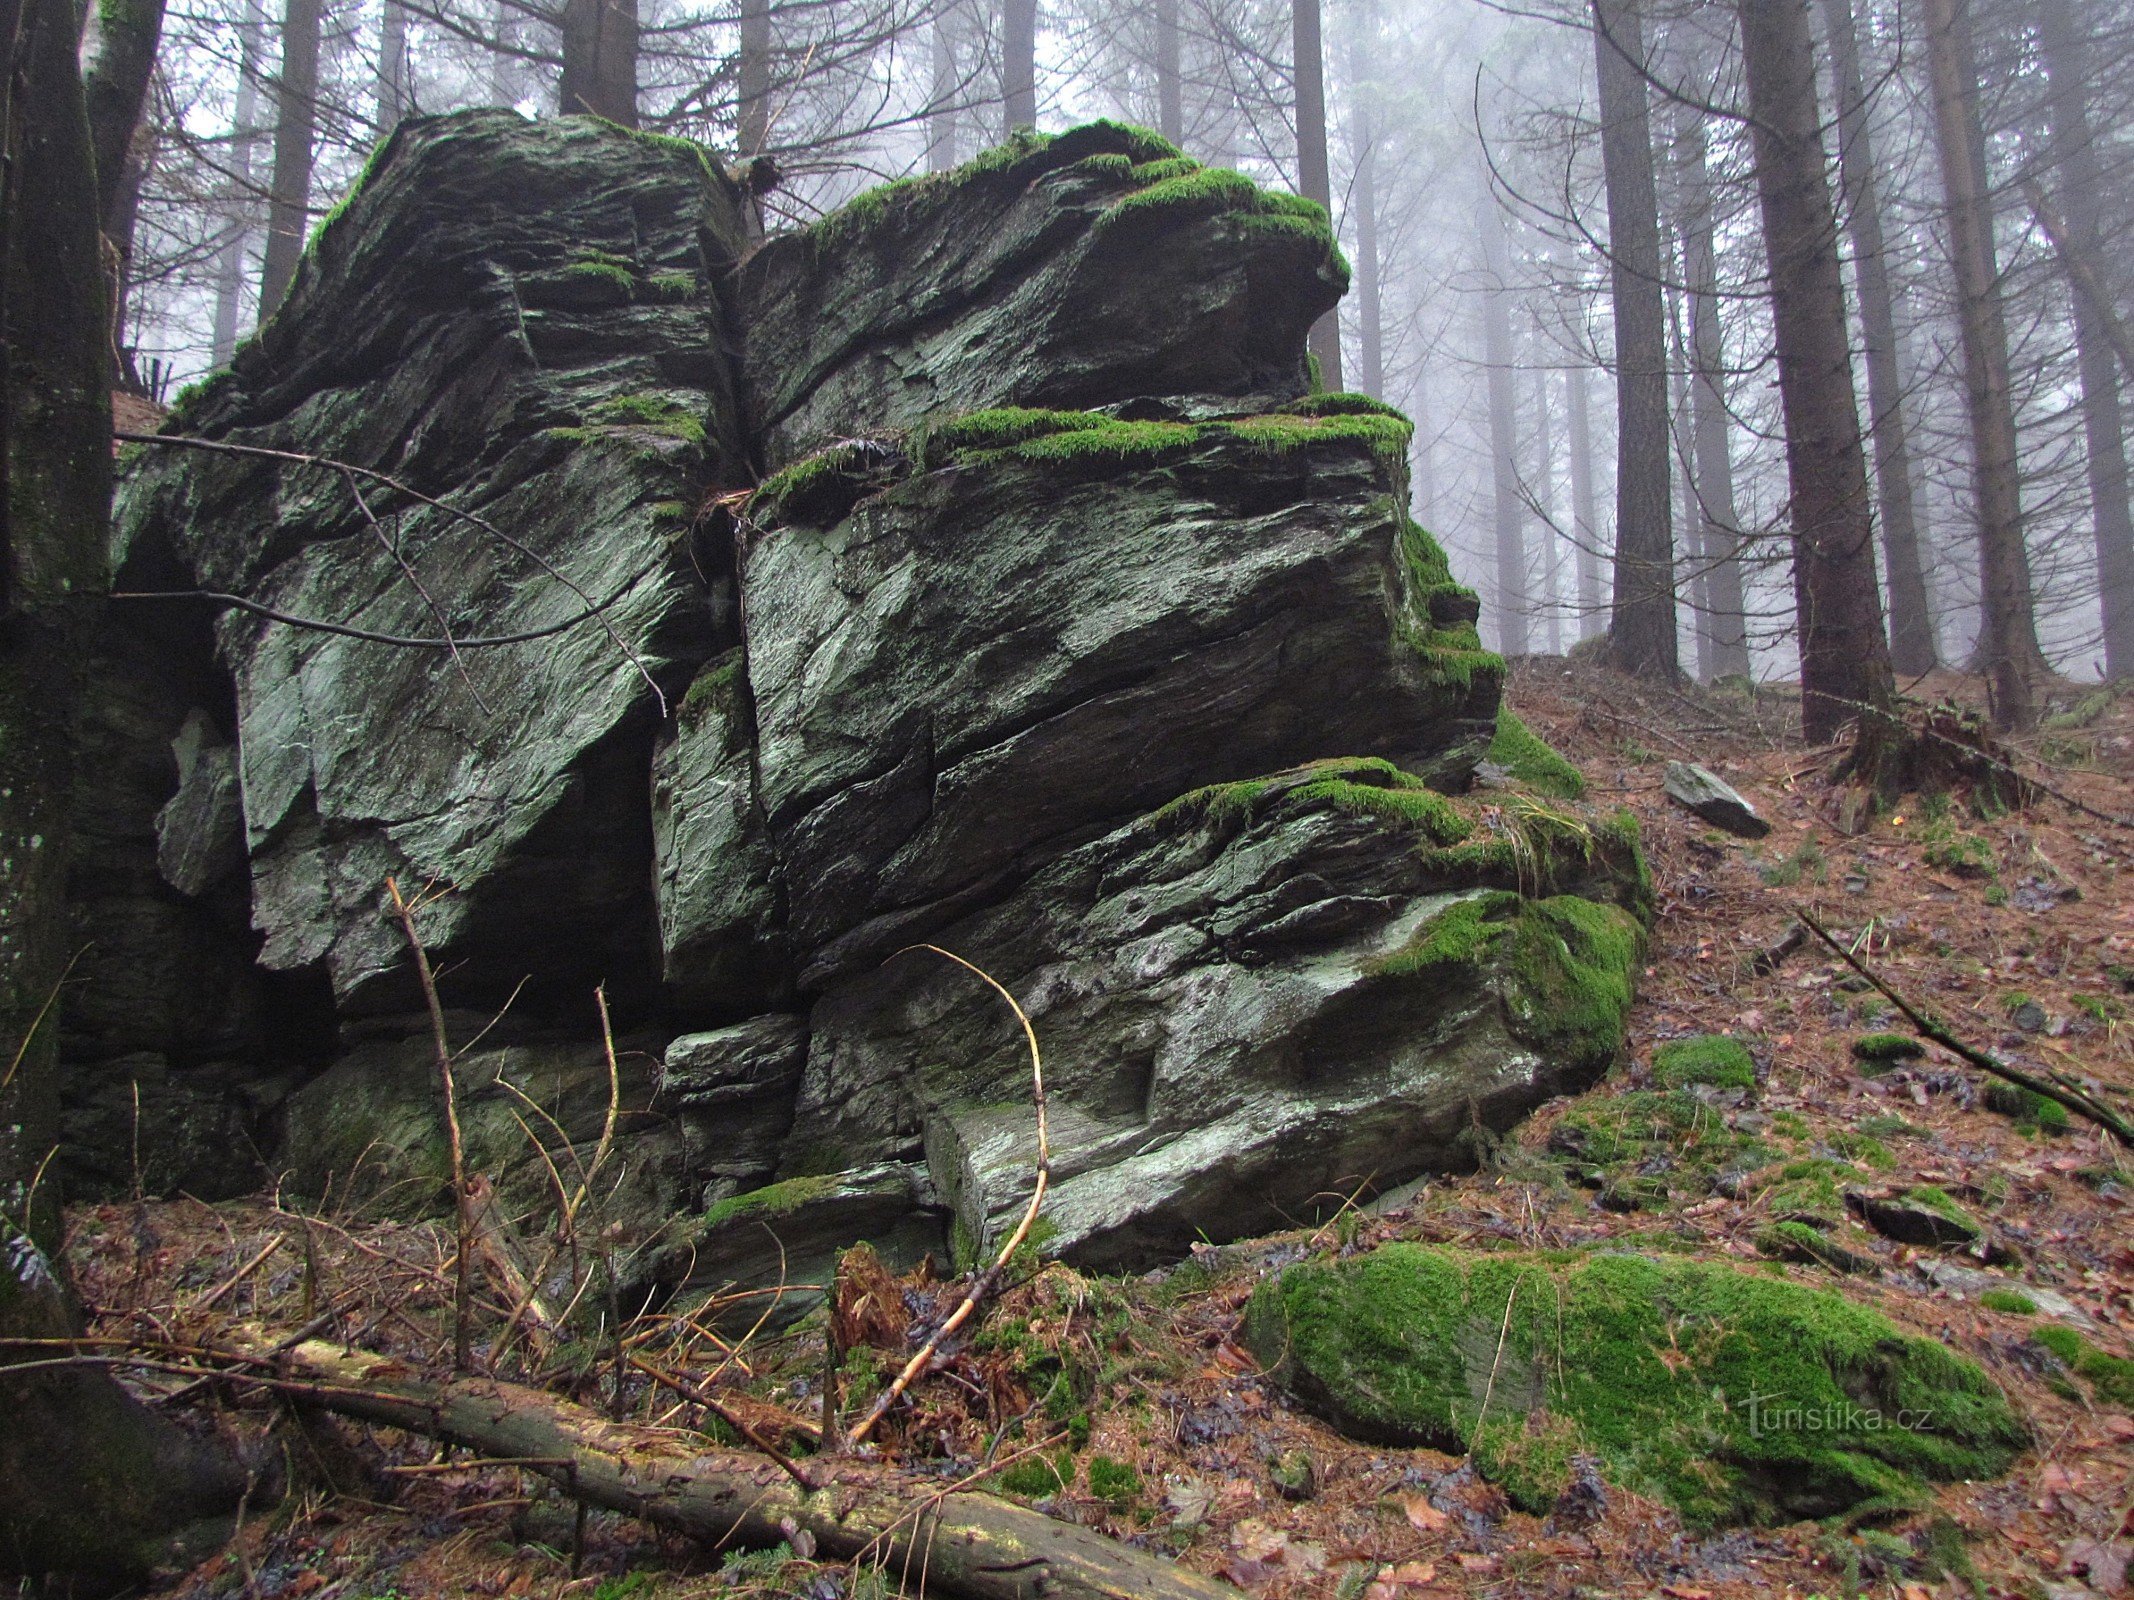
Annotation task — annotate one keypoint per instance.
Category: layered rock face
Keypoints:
(970, 569)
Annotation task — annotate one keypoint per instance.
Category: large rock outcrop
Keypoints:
(1068, 632)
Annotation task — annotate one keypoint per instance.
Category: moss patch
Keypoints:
(2027, 1108)
(1733, 1396)
(1459, 937)
(1711, 1059)
(1530, 762)
(2112, 1377)
(773, 1200)
(1878, 1052)
(1573, 974)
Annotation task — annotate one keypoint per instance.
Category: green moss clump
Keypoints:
(1343, 403)
(773, 1200)
(1573, 970)
(718, 685)
(605, 272)
(1878, 1052)
(1037, 1476)
(2027, 1108)
(2012, 1301)
(817, 490)
(1733, 1396)
(999, 429)
(2112, 1377)
(1711, 1059)
(1371, 787)
(673, 285)
(1458, 938)
(1805, 1243)
(1964, 854)
(1118, 1483)
(656, 413)
(1522, 753)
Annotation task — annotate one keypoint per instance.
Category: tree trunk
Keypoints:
(2075, 158)
(941, 108)
(2008, 638)
(396, 95)
(1585, 508)
(115, 85)
(244, 155)
(1545, 498)
(1719, 520)
(1912, 646)
(92, 1484)
(1018, 63)
(295, 127)
(1363, 42)
(1844, 652)
(967, 1544)
(1642, 622)
(1170, 89)
(1689, 512)
(1512, 602)
(118, 237)
(600, 60)
(1314, 180)
(752, 70)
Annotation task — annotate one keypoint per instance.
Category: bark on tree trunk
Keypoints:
(1509, 515)
(1313, 177)
(1719, 520)
(1170, 90)
(1642, 622)
(752, 69)
(244, 155)
(1370, 310)
(115, 85)
(1545, 497)
(1689, 513)
(2075, 156)
(1018, 63)
(966, 1543)
(2008, 640)
(92, 1484)
(1585, 509)
(295, 127)
(1844, 652)
(600, 60)
(941, 107)
(1912, 645)
(396, 95)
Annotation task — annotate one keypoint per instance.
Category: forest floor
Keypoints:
(2015, 928)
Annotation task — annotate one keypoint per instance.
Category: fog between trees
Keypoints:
(1562, 250)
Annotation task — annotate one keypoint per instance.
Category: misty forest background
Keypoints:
(1470, 151)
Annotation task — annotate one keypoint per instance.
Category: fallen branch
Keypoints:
(2058, 1088)
(970, 1545)
(987, 1281)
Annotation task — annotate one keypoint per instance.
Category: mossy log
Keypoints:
(929, 1539)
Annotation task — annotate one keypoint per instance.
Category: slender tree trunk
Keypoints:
(2008, 639)
(1018, 63)
(1844, 652)
(116, 87)
(1642, 624)
(1912, 646)
(1170, 87)
(118, 236)
(600, 60)
(295, 128)
(941, 106)
(1363, 43)
(1585, 508)
(92, 1484)
(244, 156)
(1313, 177)
(1545, 498)
(396, 95)
(2075, 158)
(1689, 511)
(752, 69)
(1723, 626)
(1422, 454)
(503, 65)
(1513, 604)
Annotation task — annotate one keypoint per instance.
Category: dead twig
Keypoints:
(2056, 1088)
(988, 1280)
(462, 1327)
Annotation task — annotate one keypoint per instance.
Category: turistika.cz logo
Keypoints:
(1770, 1413)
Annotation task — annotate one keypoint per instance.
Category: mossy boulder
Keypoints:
(1523, 758)
(1733, 1396)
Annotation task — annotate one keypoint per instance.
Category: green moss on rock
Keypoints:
(2027, 1108)
(1878, 1052)
(1711, 1059)
(1574, 966)
(1522, 753)
(1459, 937)
(1734, 1397)
(773, 1200)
